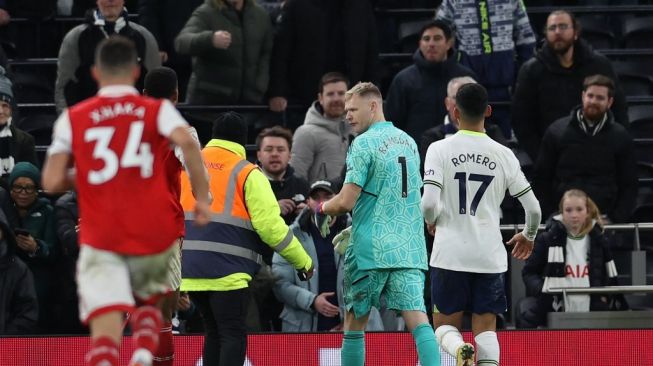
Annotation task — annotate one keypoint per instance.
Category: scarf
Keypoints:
(7, 161)
(109, 28)
(589, 129)
(554, 271)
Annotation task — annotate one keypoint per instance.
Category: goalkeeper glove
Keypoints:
(322, 220)
(341, 241)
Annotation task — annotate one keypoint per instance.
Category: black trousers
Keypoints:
(223, 313)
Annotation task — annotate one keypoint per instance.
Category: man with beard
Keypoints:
(588, 150)
(321, 143)
(273, 155)
(413, 100)
(549, 85)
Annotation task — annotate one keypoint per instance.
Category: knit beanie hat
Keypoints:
(27, 170)
(230, 126)
(6, 93)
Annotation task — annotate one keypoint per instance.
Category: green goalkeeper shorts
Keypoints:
(402, 288)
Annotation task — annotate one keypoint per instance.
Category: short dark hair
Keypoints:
(332, 77)
(471, 100)
(574, 21)
(116, 54)
(230, 126)
(161, 82)
(274, 131)
(599, 80)
(438, 23)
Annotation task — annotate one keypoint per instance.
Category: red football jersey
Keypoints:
(119, 143)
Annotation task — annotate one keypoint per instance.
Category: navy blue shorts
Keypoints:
(479, 293)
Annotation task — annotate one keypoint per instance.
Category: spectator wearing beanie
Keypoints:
(15, 144)
(32, 219)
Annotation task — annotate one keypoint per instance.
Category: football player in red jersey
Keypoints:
(118, 142)
(161, 82)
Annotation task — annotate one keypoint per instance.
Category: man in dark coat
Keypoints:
(589, 151)
(165, 19)
(550, 84)
(316, 37)
(413, 102)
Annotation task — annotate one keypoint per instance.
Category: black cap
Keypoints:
(230, 126)
(322, 184)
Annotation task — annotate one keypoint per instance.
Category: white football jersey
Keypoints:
(473, 173)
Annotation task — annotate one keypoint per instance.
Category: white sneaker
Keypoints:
(141, 357)
(465, 355)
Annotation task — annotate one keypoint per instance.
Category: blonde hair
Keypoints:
(364, 89)
(593, 212)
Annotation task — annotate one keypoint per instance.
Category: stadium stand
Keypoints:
(624, 33)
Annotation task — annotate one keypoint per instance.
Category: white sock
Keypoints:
(487, 349)
(449, 338)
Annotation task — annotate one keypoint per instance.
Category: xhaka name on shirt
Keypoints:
(115, 110)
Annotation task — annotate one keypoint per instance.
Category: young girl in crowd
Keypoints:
(573, 251)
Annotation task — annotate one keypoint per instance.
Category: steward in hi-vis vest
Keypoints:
(246, 222)
(220, 259)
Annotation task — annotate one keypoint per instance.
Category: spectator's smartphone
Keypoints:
(23, 232)
(302, 275)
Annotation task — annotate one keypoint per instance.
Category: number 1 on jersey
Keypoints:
(404, 176)
(462, 190)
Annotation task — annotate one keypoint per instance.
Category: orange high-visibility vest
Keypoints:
(228, 244)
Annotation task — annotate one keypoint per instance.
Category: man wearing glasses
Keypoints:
(550, 84)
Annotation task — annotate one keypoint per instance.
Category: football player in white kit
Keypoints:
(465, 180)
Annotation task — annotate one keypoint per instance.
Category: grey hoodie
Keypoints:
(320, 146)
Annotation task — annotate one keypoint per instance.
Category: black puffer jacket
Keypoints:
(602, 165)
(415, 100)
(546, 91)
(18, 305)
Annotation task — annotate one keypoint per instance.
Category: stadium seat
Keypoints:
(596, 31)
(638, 33)
(641, 120)
(409, 35)
(636, 84)
(633, 67)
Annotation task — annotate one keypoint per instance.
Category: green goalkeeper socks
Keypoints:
(428, 350)
(353, 348)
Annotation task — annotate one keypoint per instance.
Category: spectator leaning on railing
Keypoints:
(573, 251)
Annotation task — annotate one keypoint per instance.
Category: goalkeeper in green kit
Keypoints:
(386, 254)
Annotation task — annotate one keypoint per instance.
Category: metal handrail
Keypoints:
(603, 290)
(617, 227)
(599, 290)
(636, 227)
(382, 56)
(537, 10)
(641, 99)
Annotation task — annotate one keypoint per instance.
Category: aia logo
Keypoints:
(577, 271)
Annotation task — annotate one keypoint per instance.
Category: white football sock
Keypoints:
(449, 338)
(487, 349)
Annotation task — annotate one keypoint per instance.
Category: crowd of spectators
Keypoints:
(568, 114)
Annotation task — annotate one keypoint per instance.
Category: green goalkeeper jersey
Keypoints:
(387, 226)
